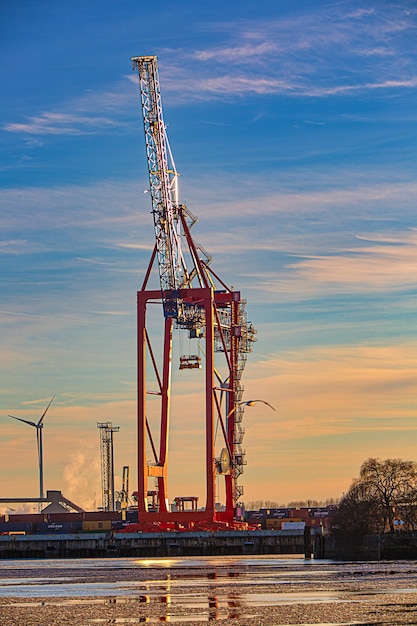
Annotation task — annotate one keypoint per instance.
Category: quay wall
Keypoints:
(386, 546)
(153, 544)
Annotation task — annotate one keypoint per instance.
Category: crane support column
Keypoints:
(141, 390)
(210, 468)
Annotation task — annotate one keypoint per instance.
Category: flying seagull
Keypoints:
(252, 402)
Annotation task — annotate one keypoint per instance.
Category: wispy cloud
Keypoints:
(300, 57)
(331, 256)
(103, 208)
(239, 85)
(378, 268)
(386, 270)
(341, 389)
(243, 52)
(360, 13)
(90, 113)
(13, 246)
(346, 89)
(60, 124)
(95, 262)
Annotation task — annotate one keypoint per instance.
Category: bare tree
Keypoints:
(356, 516)
(407, 512)
(385, 492)
(389, 484)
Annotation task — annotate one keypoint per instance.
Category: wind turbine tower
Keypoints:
(107, 463)
(39, 429)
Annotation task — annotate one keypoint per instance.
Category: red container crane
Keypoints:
(197, 301)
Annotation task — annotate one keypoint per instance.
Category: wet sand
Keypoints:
(230, 591)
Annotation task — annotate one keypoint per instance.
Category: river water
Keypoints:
(237, 590)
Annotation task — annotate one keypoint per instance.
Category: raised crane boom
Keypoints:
(163, 180)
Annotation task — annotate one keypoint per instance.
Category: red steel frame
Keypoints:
(207, 299)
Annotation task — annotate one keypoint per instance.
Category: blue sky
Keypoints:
(293, 126)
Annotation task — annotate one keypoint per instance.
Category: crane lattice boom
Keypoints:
(163, 179)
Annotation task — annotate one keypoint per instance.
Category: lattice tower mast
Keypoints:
(107, 464)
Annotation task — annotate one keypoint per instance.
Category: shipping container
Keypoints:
(302, 513)
(27, 517)
(8, 527)
(132, 515)
(272, 523)
(293, 525)
(101, 515)
(275, 523)
(280, 512)
(96, 525)
(65, 517)
(254, 521)
(55, 527)
(277, 512)
(254, 515)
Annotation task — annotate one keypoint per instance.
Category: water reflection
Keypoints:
(213, 606)
(183, 590)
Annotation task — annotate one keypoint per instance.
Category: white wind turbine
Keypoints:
(39, 428)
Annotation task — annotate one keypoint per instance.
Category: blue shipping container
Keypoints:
(55, 527)
(16, 527)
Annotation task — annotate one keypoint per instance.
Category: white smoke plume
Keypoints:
(19, 507)
(82, 478)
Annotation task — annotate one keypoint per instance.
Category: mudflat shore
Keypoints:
(261, 591)
(389, 609)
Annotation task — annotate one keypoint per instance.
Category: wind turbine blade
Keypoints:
(223, 385)
(24, 421)
(217, 375)
(44, 413)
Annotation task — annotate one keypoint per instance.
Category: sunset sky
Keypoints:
(294, 128)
